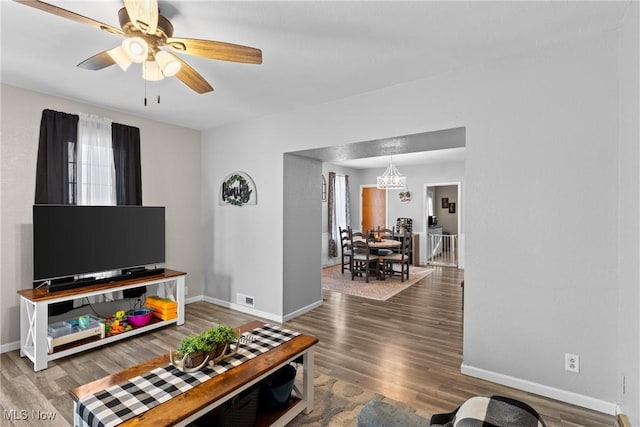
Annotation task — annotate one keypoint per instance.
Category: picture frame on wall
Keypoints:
(452, 208)
(445, 202)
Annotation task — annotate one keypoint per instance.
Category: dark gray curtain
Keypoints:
(126, 157)
(52, 169)
(333, 247)
(347, 200)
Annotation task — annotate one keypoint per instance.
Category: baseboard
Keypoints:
(262, 314)
(302, 311)
(331, 263)
(244, 309)
(5, 348)
(191, 300)
(542, 390)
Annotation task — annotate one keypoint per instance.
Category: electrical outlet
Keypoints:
(572, 363)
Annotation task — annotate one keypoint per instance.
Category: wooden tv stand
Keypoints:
(34, 314)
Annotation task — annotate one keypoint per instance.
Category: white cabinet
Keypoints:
(34, 309)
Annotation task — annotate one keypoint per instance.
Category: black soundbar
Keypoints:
(86, 281)
(140, 272)
(71, 284)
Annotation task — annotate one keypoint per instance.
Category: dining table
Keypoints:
(381, 243)
(377, 244)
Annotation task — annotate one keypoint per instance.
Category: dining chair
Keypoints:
(401, 257)
(362, 260)
(385, 233)
(345, 239)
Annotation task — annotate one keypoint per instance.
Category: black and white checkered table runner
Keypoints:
(121, 402)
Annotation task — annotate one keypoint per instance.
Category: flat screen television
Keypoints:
(71, 241)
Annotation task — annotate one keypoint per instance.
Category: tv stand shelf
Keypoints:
(34, 309)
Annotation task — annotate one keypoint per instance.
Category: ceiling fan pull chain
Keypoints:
(145, 93)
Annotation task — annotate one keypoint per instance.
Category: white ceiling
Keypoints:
(407, 159)
(313, 52)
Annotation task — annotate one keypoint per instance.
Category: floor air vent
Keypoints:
(246, 300)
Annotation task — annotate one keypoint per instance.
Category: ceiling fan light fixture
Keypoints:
(143, 14)
(168, 63)
(151, 71)
(120, 57)
(136, 48)
(145, 31)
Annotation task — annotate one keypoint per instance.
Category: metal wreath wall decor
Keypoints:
(238, 189)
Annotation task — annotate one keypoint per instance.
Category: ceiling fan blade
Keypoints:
(55, 10)
(143, 14)
(97, 62)
(216, 50)
(191, 78)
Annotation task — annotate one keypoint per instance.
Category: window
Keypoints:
(430, 204)
(95, 170)
(340, 211)
(84, 159)
(71, 178)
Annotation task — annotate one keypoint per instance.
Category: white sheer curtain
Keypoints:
(339, 211)
(96, 174)
(341, 203)
(95, 168)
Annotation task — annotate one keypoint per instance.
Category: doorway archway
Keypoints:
(302, 275)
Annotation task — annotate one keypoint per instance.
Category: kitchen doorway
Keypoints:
(442, 222)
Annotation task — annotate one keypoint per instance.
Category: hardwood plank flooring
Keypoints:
(408, 348)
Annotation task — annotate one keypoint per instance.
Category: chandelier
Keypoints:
(391, 179)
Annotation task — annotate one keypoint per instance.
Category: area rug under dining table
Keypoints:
(381, 290)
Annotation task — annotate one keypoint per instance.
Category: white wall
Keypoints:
(171, 177)
(546, 141)
(532, 122)
(417, 176)
(628, 214)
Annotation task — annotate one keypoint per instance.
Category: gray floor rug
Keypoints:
(336, 403)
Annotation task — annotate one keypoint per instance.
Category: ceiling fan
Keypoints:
(146, 33)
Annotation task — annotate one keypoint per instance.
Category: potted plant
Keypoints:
(220, 337)
(227, 334)
(212, 345)
(194, 350)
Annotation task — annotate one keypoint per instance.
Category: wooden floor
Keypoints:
(408, 348)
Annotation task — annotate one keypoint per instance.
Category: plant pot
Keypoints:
(190, 362)
(194, 359)
(218, 351)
